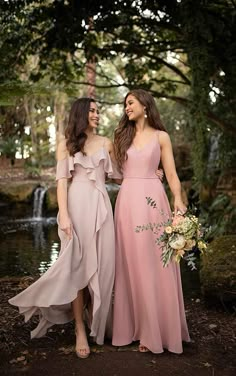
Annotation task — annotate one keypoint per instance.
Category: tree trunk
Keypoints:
(60, 116)
(91, 70)
(29, 105)
(91, 77)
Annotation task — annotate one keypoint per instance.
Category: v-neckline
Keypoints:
(147, 143)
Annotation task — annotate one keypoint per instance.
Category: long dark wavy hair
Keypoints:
(125, 132)
(77, 125)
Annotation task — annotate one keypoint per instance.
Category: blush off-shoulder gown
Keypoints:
(148, 299)
(87, 259)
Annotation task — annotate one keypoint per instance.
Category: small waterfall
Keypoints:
(213, 158)
(39, 194)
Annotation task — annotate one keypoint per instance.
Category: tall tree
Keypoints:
(147, 34)
(169, 48)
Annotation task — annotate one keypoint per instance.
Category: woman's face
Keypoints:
(93, 116)
(133, 108)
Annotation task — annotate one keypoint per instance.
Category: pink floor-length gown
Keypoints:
(148, 300)
(85, 260)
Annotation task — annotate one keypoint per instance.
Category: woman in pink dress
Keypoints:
(85, 266)
(148, 299)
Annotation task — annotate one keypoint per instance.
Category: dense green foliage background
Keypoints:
(182, 51)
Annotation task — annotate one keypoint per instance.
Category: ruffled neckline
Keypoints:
(66, 167)
(91, 161)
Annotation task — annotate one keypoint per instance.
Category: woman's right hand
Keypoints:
(159, 173)
(65, 225)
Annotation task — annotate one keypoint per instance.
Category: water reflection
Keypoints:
(27, 247)
(39, 239)
(53, 257)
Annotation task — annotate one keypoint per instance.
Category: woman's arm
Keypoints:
(168, 163)
(64, 218)
(110, 148)
(62, 186)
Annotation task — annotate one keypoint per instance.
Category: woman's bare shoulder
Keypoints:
(163, 137)
(107, 143)
(107, 140)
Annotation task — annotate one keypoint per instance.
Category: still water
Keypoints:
(29, 246)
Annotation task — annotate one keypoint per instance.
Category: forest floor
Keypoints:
(211, 352)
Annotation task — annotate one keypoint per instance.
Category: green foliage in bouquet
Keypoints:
(179, 237)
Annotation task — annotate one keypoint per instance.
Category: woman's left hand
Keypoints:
(179, 207)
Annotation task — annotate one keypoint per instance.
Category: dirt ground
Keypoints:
(211, 352)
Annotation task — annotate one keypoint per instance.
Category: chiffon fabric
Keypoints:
(87, 259)
(148, 299)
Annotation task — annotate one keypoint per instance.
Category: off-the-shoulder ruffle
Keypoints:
(66, 167)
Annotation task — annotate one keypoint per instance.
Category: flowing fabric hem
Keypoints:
(161, 350)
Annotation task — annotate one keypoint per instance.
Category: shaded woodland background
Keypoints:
(182, 51)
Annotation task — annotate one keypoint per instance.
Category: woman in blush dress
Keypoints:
(148, 299)
(83, 274)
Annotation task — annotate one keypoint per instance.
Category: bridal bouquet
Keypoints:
(180, 237)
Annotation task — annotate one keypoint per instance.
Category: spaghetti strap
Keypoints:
(158, 133)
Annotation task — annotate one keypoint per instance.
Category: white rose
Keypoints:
(178, 242)
(168, 229)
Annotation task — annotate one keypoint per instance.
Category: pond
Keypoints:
(29, 246)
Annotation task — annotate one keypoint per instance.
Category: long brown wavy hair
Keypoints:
(125, 132)
(77, 125)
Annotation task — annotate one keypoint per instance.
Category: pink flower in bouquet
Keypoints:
(177, 220)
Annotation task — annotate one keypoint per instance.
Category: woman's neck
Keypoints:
(90, 133)
(141, 125)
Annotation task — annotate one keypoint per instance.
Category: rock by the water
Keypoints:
(218, 272)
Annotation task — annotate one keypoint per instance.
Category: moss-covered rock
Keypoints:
(17, 191)
(51, 198)
(218, 271)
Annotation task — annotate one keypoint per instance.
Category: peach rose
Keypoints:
(190, 244)
(180, 252)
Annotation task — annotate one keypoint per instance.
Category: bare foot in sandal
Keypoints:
(81, 348)
(143, 348)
